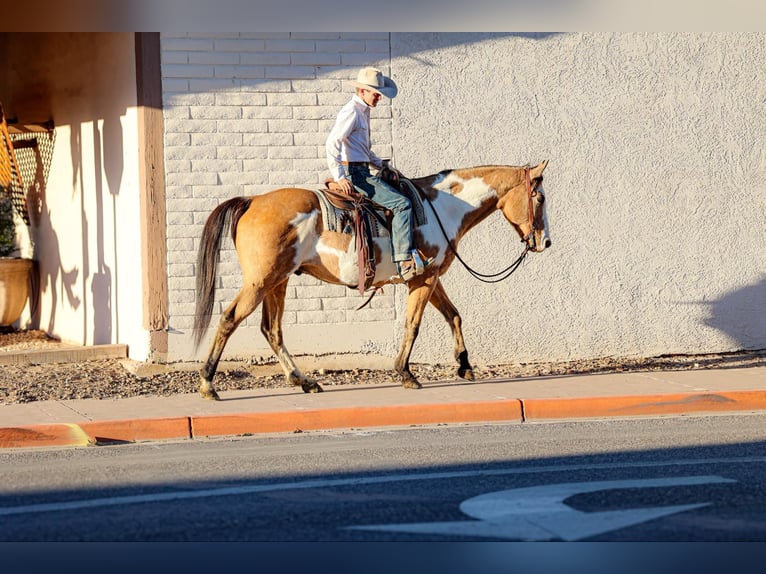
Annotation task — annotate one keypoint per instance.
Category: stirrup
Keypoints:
(418, 266)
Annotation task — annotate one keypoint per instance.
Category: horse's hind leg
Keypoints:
(271, 327)
(441, 301)
(244, 303)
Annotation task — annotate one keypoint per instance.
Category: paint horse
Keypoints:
(281, 232)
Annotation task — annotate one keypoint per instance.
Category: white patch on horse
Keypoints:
(453, 208)
(305, 225)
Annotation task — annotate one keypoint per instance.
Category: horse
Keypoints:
(280, 233)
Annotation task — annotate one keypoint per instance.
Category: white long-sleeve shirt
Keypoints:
(349, 139)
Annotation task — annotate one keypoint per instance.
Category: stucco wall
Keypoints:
(655, 186)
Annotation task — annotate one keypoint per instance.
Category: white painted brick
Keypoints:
(304, 304)
(215, 191)
(215, 112)
(177, 166)
(381, 46)
(292, 152)
(267, 139)
(243, 152)
(173, 192)
(198, 126)
(319, 85)
(292, 72)
(213, 35)
(315, 35)
(267, 112)
(293, 178)
(266, 165)
(338, 46)
(175, 57)
(321, 290)
(290, 45)
(214, 84)
(172, 86)
(365, 35)
(181, 296)
(216, 165)
(268, 86)
(314, 317)
(175, 112)
(315, 113)
(252, 177)
(186, 44)
(187, 71)
(289, 318)
(240, 99)
(315, 59)
(371, 315)
(179, 218)
(196, 204)
(317, 165)
(179, 139)
(191, 99)
(181, 270)
(311, 138)
(213, 58)
(292, 126)
(341, 303)
(292, 99)
(241, 126)
(366, 59)
(248, 72)
(216, 139)
(336, 99)
(266, 59)
(190, 152)
(240, 45)
(265, 35)
(180, 244)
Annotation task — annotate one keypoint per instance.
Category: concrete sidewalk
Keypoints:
(285, 410)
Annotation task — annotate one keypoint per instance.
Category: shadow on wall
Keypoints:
(742, 315)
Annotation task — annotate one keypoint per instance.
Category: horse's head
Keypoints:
(523, 205)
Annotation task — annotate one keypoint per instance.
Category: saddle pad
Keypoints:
(341, 220)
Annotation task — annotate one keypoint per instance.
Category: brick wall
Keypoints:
(245, 114)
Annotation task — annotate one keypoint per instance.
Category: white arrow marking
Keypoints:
(539, 512)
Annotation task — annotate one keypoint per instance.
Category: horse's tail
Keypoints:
(225, 216)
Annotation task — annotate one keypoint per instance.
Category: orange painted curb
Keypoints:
(97, 432)
(43, 435)
(292, 421)
(625, 406)
(137, 429)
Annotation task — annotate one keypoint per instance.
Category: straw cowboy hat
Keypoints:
(373, 79)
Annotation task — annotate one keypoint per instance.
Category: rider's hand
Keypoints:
(345, 185)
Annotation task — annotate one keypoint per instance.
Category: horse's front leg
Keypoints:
(271, 327)
(441, 301)
(420, 293)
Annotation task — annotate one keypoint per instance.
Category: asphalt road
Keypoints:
(662, 479)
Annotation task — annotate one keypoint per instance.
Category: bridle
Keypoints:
(533, 226)
(505, 273)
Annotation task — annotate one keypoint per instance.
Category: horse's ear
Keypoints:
(537, 171)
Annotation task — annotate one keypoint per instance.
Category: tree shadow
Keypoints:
(741, 315)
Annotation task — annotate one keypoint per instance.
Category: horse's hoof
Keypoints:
(466, 374)
(311, 387)
(209, 394)
(411, 384)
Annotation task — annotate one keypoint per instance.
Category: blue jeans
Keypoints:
(380, 192)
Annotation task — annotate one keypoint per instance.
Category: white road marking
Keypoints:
(538, 513)
(360, 481)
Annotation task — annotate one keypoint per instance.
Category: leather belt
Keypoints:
(356, 163)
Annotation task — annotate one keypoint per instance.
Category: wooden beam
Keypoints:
(152, 184)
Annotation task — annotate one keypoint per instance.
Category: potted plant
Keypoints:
(15, 271)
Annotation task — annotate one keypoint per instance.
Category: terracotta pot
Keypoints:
(14, 288)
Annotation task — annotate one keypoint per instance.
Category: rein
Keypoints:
(508, 271)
